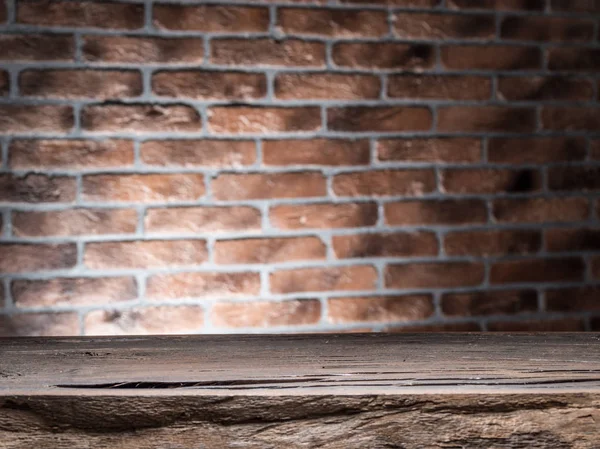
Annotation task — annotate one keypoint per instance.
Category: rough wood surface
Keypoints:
(325, 391)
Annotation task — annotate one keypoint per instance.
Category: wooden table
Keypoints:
(306, 391)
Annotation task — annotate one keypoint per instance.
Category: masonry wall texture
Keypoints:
(308, 165)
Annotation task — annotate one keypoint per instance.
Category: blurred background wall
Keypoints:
(268, 166)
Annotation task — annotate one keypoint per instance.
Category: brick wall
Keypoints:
(266, 166)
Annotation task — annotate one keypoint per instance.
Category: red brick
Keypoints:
(398, 3)
(596, 268)
(445, 327)
(140, 118)
(488, 181)
(211, 18)
(574, 59)
(444, 26)
(74, 222)
(501, 5)
(552, 29)
(21, 258)
(536, 150)
(73, 291)
(564, 118)
(192, 220)
(145, 321)
(434, 275)
(491, 57)
(573, 299)
(289, 86)
(383, 55)
(385, 183)
(562, 325)
(443, 87)
(333, 22)
(486, 119)
(439, 150)
(145, 254)
(142, 50)
(492, 243)
(444, 212)
(3, 12)
(39, 325)
(34, 188)
(146, 188)
(263, 119)
(324, 216)
(399, 244)
(587, 239)
(15, 119)
(379, 119)
(127, 16)
(335, 152)
(595, 149)
(591, 6)
(4, 83)
(198, 153)
(267, 52)
(359, 277)
(269, 250)
(545, 88)
(383, 309)
(263, 314)
(209, 85)
(510, 302)
(574, 178)
(540, 210)
(254, 186)
(537, 270)
(70, 154)
(203, 285)
(36, 47)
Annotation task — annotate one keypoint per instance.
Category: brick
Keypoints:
(263, 119)
(203, 285)
(358, 277)
(491, 57)
(324, 216)
(444, 212)
(595, 149)
(267, 52)
(587, 239)
(70, 154)
(73, 291)
(332, 22)
(489, 181)
(382, 309)
(561, 325)
(501, 5)
(383, 55)
(209, 85)
(192, 220)
(574, 59)
(144, 254)
(290, 86)
(263, 314)
(21, 258)
(253, 186)
(439, 150)
(537, 270)
(210, 18)
(269, 250)
(15, 119)
(4, 83)
(126, 16)
(148, 188)
(399, 3)
(398, 244)
(486, 119)
(434, 275)
(445, 327)
(541, 88)
(573, 299)
(492, 243)
(444, 26)
(564, 118)
(385, 183)
(379, 119)
(332, 152)
(548, 29)
(540, 210)
(39, 325)
(536, 150)
(74, 222)
(145, 321)
(485, 303)
(198, 153)
(3, 12)
(140, 118)
(36, 47)
(574, 178)
(443, 87)
(591, 6)
(143, 50)
(595, 268)
(34, 188)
